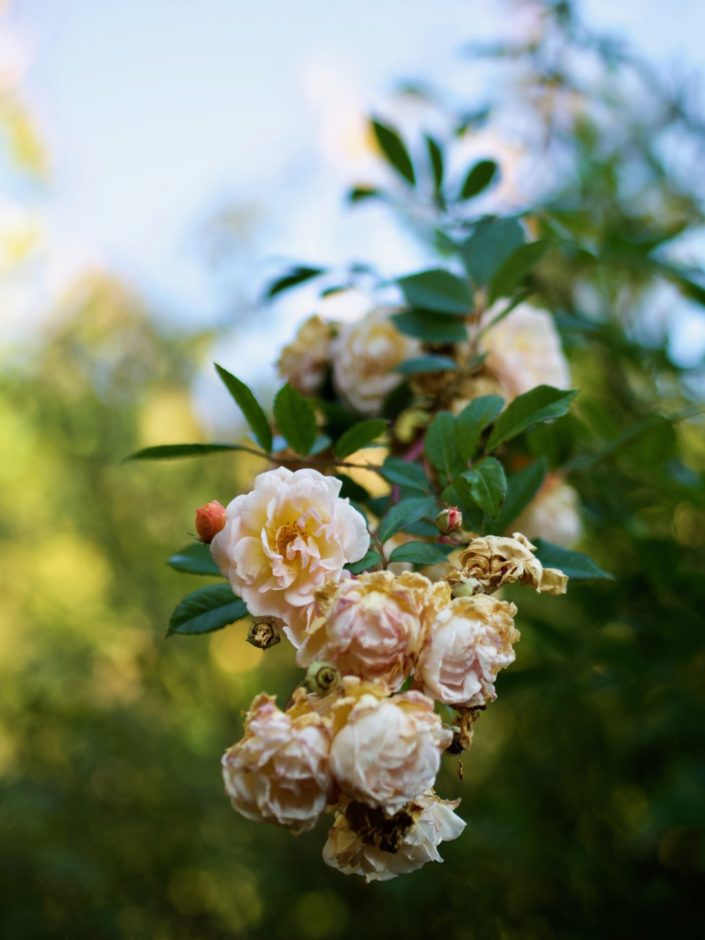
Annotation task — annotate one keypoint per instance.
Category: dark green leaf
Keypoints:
(522, 486)
(576, 565)
(492, 242)
(423, 364)
(430, 327)
(394, 149)
(362, 193)
(359, 436)
(435, 156)
(249, 406)
(441, 448)
(195, 559)
(419, 553)
(479, 177)
(403, 473)
(488, 485)
(437, 290)
(473, 420)
(542, 403)
(296, 275)
(371, 560)
(172, 451)
(515, 268)
(295, 419)
(405, 513)
(207, 609)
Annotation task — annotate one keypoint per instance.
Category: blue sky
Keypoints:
(158, 111)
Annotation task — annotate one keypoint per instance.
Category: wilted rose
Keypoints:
(492, 561)
(388, 750)
(304, 361)
(278, 772)
(285, 539)
(365, 354)
(363, 841)
(373, 626)
(469, 642)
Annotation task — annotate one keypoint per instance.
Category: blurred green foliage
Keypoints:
(584, 788)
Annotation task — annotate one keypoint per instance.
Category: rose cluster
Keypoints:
(362, 738)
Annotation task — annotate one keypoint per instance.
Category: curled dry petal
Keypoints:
(492, 561)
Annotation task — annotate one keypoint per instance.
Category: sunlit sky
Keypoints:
(158, 112)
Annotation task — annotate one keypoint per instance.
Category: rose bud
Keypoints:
(449, 520)
(210, 519)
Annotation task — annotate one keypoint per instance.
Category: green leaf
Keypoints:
(371, 560)
(522, 486)
(405, 513)
(194, 559)
(394, 149)
(403, 473)
(427, 364)
(438, 290)
(473, 420)
(430, 327)
(249, 406)
(492, 242)
(172, 451)
(295, 419)
(419, 553)
(488, 485)
(440, 446)
(435, 157)
(542, 403)
(362, 193)
(207, 609)
(479, 177)
(293, 277)
(359, 436)
(515, 268)
(576, 565)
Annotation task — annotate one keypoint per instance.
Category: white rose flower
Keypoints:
(278, 772)
(524, 350)
(469, 642)
(286, 539)
(388, 751)
(553, 514)
(379, 848)
(364, 356)
(373, 626)
(304, 361)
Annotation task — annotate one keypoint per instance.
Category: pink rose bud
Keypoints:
(210, 519)
(449, 520)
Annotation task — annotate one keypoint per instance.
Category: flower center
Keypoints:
(286, 534)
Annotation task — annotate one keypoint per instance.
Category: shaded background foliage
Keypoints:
(583, 790)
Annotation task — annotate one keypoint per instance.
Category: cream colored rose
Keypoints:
(362, 841)
(373, 626)
(492, 561)
(553, 514)
(304, 361)
(388, 751)
(524, 350)
(285, 539)
(278, 772)
(364, 356)
(470, 641)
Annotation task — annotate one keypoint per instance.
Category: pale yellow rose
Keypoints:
(363, 841)
(491, 561)
(524, 350)
(470, 641)
(365, 354)
(304, 361)
(373, 626)
(285, 540)
(388, 750)
(278, 772)
(553, 514)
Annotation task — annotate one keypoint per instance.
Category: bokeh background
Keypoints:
(160, 162)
